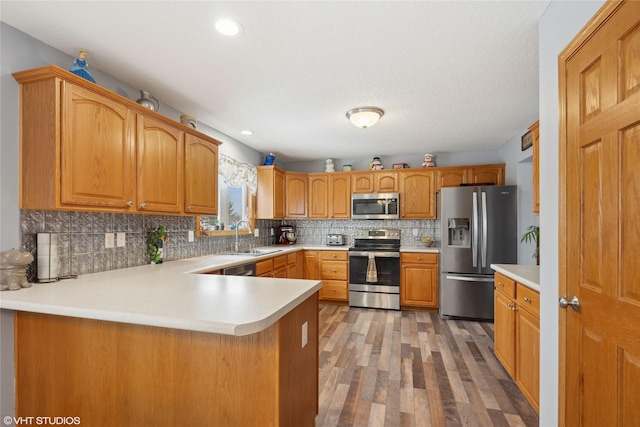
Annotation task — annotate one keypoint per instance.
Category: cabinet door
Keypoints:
(449, 177)
(98, 151)
(201, 176)
(386, 182)
(270, 198)
(419, 285)
(417, 197)
(362, 182)
(528, 355)
(312, 265)
(485, 175)
(340, 196)
(160, 166)
(504, 334)
(318, 196)
(295, 194)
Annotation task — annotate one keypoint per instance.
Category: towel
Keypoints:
(372, 273)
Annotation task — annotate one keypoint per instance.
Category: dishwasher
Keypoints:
(248, 269)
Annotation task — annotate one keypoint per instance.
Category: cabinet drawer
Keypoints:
(334, 255)
(505, 285)
(335, 270)
(416, 257)
(292, 258)
(333, 289)
(279, 261)
(528, 299)
(265, 266)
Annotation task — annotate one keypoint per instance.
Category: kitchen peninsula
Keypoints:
(166, 345)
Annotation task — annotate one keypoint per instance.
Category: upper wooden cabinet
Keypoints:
(270, 201)
(417, 194)
(160, 166)
(329, 195)
(374, 182)
(201, 176)
(85, 148)
(535, 131)
(454, 176)
(295, 184)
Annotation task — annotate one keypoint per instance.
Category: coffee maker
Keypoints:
(286, 235)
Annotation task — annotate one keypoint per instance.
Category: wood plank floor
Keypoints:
(411, 368)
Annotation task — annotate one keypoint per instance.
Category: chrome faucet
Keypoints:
(237, 227)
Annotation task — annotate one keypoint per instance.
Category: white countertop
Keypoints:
(528, 275)
(171, 295)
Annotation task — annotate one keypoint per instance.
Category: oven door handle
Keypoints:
(375, 254)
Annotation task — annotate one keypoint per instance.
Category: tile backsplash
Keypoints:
(81, 237)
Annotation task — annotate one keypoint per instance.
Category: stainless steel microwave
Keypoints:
(375, 206)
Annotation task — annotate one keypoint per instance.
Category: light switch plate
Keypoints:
(190, 236)
(256, 232)
(121, 240)
(108, 240)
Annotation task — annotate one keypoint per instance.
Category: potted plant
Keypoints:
(533, 235)
(155, 244)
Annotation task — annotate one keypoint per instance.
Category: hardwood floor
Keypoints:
(411, 368)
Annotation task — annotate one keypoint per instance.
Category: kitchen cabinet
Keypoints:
(85, 148)
(417, 194)
(295, 184)
(334, 273)
(276, 266)
(332, 267)
(270, 198)
(200, 176)
(535, 132)
(374, 182)
(292, 266)
(329, 195)
(419, 279)
(160, 166)
(454, 176)
(517, 334)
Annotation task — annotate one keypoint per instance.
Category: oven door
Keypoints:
(387, 269)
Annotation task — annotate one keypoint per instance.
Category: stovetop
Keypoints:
(379, 239)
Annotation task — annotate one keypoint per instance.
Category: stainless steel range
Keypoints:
(374, 269)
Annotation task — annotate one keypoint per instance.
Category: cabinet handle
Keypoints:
(510, 306)
(189, 208)
(334, 270)
(514, 308)
(419, 258)
(500, 284)
(527, 300)
(130, 203)
(143, 206)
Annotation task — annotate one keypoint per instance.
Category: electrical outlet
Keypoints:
(272, 231)
(415, 231)
(305, 331)
(256, 232)
(108, 240)
(190, 236)
(121, 240)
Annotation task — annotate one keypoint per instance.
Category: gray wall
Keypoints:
(557, 27)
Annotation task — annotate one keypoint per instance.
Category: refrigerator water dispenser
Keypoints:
(459, 233)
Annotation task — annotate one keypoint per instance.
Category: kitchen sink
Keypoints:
(256, 252)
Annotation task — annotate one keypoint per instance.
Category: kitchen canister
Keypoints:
(47, 257)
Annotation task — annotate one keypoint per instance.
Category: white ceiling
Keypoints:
(450, 76)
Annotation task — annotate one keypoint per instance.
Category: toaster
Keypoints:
(336, 240)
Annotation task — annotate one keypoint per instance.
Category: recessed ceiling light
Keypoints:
(228, 27)
(246, 132)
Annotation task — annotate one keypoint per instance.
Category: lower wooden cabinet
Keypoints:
(278, 266)
(332, 267)
(517, 334)
(419, 279)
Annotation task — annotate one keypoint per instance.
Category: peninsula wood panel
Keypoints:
(117, 374)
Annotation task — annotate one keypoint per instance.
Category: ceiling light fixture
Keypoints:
(228, 27)
(364, 117)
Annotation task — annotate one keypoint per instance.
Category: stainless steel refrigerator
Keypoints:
(479, 228)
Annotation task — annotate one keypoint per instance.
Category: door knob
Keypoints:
(573, 302)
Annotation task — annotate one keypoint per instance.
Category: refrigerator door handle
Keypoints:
(474, 236)
(483, 251)
(470, 279)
